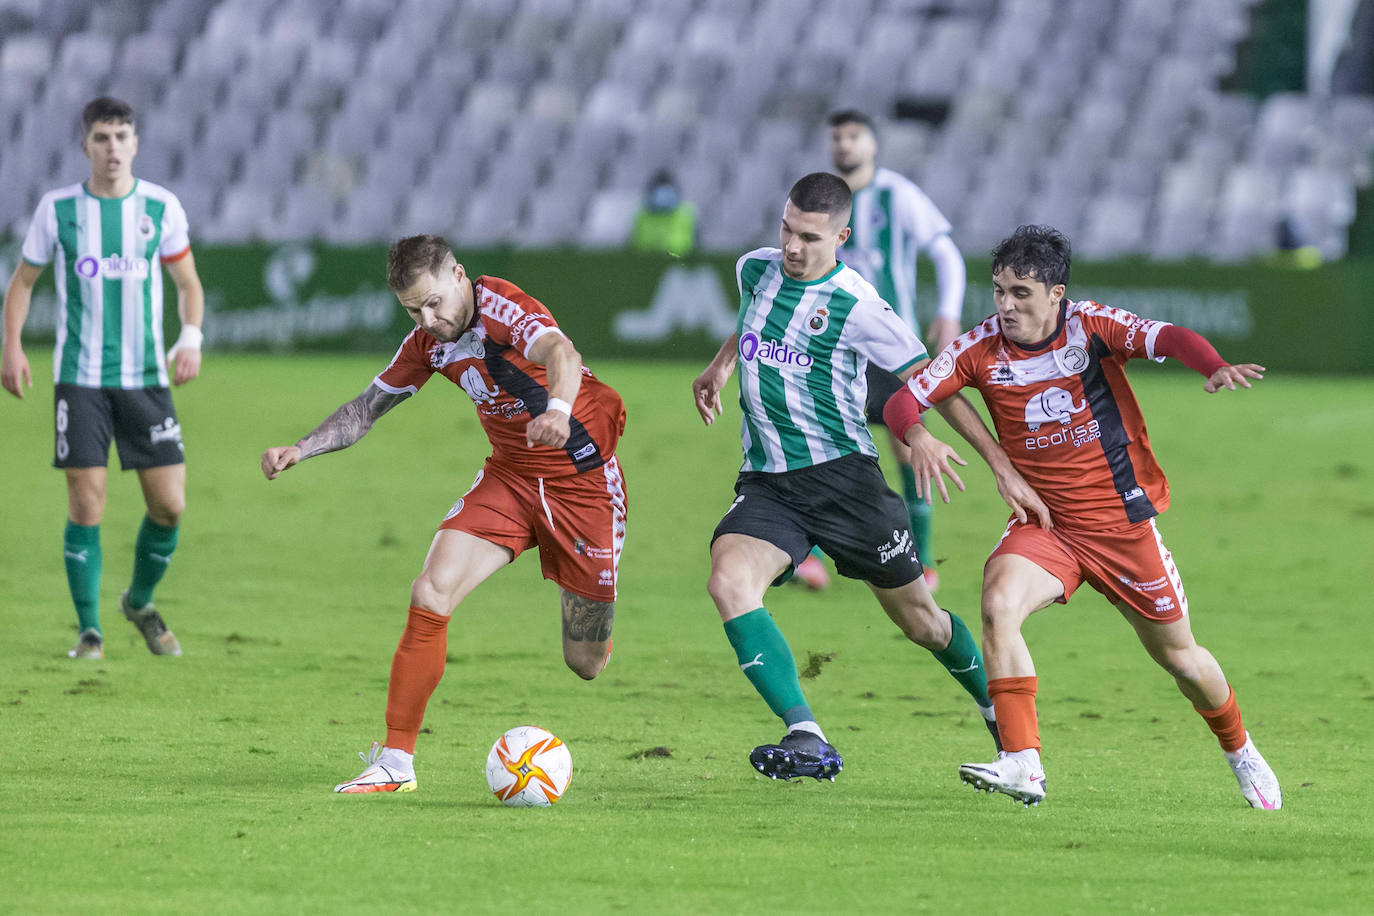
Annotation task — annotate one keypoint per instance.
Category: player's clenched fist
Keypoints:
(276, 460)
(550, 428)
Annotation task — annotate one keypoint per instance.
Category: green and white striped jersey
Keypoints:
(891, 221)
(107, 256)
(803, 349)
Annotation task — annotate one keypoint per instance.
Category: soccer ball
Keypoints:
(529, 767)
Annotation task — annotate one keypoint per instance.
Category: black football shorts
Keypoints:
(141, 421)
(843, 506)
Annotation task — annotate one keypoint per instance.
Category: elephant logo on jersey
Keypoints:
(1050, 405)
(476, 386)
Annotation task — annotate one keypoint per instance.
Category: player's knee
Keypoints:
(167, 511)
(998, 609)
(1183, 664)
(426, 593)
(729, 589)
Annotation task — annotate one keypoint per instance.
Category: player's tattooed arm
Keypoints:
(585, 620)
(350, 422)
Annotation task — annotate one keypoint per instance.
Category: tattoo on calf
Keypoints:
(585, 620)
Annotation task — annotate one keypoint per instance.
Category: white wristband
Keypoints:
(189, 339)
(559, 404)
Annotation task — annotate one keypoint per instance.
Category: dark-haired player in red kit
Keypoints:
(1052, 373)
(552, 480)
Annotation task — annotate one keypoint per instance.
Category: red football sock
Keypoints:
(1224, 721)
(1014, 700)
(415, 672)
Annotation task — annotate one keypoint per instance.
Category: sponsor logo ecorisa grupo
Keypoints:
(772, 353)
(113, 267)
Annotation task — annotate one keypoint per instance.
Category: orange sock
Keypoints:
(1014, 700)
(1224, 721)
(415, 672)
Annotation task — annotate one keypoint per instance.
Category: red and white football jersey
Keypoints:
(489, 362)
(1064, 411)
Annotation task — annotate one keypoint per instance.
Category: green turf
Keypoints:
(140, 784)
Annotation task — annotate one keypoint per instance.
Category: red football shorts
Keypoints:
(1129, 565)
(578, 522)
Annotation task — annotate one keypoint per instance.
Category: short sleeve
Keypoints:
(511, 317)
(927, 223)
(1125, 333)
(41, 238)
(874, 331)
(951, 369)
(176, 233)
(410, 368)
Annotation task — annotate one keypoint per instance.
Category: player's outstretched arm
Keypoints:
(1013, 488)
(1197, 353)
(707, 387)
(14, 365)
(343, 427)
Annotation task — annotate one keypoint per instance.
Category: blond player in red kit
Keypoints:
(552, 480)
(1051, 372)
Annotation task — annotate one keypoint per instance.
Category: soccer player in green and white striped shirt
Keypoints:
(108, 239)
(893, 219)
(808, 327)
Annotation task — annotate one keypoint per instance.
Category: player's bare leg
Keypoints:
(456, 564)
(86, 495)
(82, 556)
(918, 510)
(586, 633)
(164, 494)
(741, 569)
(1202, 681)
(1013, 589)
(913, 609)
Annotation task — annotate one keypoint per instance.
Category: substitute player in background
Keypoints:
(808, 325)
(893, 220)
(1052, 373)
(552, 480)
(108, 239)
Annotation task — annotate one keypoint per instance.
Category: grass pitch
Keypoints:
(201, 784)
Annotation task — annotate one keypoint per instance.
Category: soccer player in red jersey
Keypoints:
(552, 480)
(1052, 373)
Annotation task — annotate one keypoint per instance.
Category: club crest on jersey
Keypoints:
(818, 320)
(1071, 360)
(145, 227)
(469, 346)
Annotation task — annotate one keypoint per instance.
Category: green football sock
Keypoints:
(964, 662)
(918, 514)
(81, 553)
(768, 663)
(152, 554)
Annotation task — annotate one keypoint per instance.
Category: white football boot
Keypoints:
(388, 770)
(1015, 773)
(1257, 781)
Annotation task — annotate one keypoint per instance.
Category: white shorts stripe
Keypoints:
(615, 488)
(1166, 559)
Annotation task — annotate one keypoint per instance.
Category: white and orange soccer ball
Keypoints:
(529, 767)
